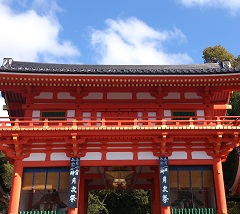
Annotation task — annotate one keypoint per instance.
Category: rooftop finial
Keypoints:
(226, 64)
(7, 62)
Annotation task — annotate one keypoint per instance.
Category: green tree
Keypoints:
(5, 181)
(95, 204)
(217, 53)
(118, 201)
(235, 102)
(6, 170)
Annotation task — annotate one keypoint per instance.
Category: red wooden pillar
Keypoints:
(219, 186)
(72, 211)
(16, 187)
(165, 210)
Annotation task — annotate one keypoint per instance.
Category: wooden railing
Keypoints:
(194, 211)
(224, 121)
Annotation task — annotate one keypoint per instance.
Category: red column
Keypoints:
(219, 186)
(16, 187)
(72, 211)
(165, 210)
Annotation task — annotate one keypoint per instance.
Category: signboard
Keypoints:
(73, 182)
(164, 182)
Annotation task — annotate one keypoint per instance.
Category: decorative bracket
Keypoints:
(75, 141)
(162, 144)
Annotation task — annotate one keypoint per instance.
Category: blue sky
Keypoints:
(117, 32)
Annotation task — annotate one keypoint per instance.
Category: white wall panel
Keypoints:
(200, 155)
(35, 115)
(44, 95)
(144, 96)
(65, 96)
(36, 157)
(119, 96)
(146, 156)
(178, 155)
(119, 156)
(92, 156)
(59, 156)
(173, 95)
(94, 96)
(191, 95)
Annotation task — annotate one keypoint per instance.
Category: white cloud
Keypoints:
(32, 35)
(232, 5)
(131, 41)
(2, 113)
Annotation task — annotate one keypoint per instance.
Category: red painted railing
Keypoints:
(224, 121)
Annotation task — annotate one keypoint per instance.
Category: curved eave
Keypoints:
(36, 79)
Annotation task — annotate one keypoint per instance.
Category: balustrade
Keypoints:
(223, 121)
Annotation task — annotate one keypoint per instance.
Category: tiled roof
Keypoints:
(12, 66)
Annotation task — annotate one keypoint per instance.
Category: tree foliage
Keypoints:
(95, 204)
(117, 201)
(218, 53)
(6, 171)
(235, 102)
(5, 182)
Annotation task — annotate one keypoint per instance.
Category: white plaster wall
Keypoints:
(144, 96)
(65, 96)
(119, 96)
(36, 157)
(86, 115)
(94, 96)
(172, 95)
(119, 156)
(178, 155)
(152, 116)
(200, 155)
(191, 95)
(70, 114)
(167, 114)
(98, 117)
(44, 95)
(146, 156)
(200, 114)
(59, 156)
(35, 115)
(92, 156)
(140, 117)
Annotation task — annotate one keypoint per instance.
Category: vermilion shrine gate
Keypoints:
(117, 122)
